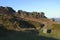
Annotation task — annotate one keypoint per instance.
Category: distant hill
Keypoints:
(57, 19)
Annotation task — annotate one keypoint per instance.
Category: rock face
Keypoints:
(6, 10)
(10, 11)
(32, 14)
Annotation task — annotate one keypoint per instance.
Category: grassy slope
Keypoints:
(24, 35)
(54, 34)
(55, 30)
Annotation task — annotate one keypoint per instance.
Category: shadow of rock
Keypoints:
(25, 24)
(25, 35)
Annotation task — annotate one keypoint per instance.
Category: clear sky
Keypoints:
(51, 8)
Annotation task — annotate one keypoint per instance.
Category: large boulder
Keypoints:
(6, 10)
(10, 10)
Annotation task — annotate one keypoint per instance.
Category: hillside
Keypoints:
(29, 23)
(9, 17)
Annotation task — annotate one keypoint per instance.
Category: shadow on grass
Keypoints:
(26, 35)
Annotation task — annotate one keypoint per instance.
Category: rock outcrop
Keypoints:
(6, 10)
(32, 14)
(16, 20)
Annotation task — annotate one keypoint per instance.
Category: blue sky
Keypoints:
(51, 8)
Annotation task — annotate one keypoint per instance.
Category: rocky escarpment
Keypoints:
(13, 20)
(32, 14)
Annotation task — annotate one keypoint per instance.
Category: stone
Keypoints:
(47, 30)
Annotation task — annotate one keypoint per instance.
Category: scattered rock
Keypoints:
(47, 30)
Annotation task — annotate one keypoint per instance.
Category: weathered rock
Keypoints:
(47, 30)
(6, 10)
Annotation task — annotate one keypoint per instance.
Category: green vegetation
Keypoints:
(55, 32)
(56, 26)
